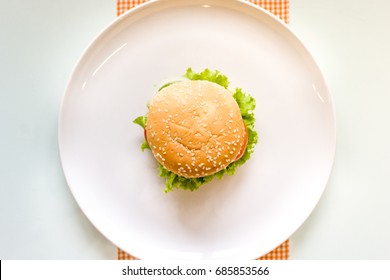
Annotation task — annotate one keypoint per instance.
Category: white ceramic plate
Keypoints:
(117, 186)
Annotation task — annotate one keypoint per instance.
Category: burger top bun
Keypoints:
(195, 128)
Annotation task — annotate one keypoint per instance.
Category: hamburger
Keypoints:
(197, 129)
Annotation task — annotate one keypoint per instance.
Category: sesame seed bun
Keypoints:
(195, 128)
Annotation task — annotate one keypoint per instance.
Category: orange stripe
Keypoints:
(279, 8)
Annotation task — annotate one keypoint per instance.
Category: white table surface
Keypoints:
(40, 42)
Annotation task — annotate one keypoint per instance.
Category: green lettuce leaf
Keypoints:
(208, 75)
(141, 121)
(247, 105)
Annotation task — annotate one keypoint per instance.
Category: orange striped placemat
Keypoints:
(279, 253)
(279, 8)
